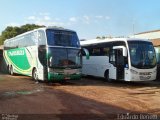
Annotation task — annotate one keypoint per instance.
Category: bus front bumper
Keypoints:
(59, 77)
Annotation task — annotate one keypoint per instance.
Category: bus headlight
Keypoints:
(133, 71)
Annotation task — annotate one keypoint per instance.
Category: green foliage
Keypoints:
(103, 37)
(10, 31)
(98, 37)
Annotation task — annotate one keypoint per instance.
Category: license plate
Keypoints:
(67, 78)
(69, 71)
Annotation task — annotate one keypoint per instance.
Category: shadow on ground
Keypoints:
(73, 108)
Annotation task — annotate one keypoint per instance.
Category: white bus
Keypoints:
(48, 53)
(120, 59)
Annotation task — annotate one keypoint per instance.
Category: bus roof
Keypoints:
(54, 28)
(96, 41)
(42, 28)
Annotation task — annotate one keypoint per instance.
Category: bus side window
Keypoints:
(41, 38)
(33, 38)
(96, 52)
(106, 51)
(25, 41)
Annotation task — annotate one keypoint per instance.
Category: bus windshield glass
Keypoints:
(65, 57)
(142, 54)
(62, 38)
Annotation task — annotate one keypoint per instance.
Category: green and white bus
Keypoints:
(52, 54)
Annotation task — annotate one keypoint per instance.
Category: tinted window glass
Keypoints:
(142, 54)
(62, 38)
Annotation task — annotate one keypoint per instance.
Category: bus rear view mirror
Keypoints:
(123, 48)
(86, 53)
(125, 52)
(50, 61)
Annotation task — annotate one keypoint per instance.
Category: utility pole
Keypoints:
(133, 30)
(133, 27)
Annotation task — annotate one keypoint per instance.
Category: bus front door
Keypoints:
(119, 64)
(112, 67)
(116, 70)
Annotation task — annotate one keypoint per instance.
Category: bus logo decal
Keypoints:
(16, 53)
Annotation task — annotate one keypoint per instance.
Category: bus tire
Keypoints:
(11, 70)
(106, 76)
(34, 74)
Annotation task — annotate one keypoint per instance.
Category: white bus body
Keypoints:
(120, 59)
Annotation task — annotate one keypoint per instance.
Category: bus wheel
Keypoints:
(35, 75)
(11, 70)
(106, 76)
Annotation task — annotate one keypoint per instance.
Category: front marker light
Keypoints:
(133, 71)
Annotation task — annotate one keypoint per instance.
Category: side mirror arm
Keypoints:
(86, 53)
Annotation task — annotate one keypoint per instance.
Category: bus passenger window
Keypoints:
(106, 51)
(96, 52)
(41, 38)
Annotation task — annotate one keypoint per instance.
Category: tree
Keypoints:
(10, 31)
(98, 37)
(103, 37)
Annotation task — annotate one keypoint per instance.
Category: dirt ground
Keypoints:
(88, 98)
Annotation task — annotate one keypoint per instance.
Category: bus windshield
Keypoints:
(65, 57)
(62, 38)
(142, 54)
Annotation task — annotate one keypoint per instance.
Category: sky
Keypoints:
(89, 18)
